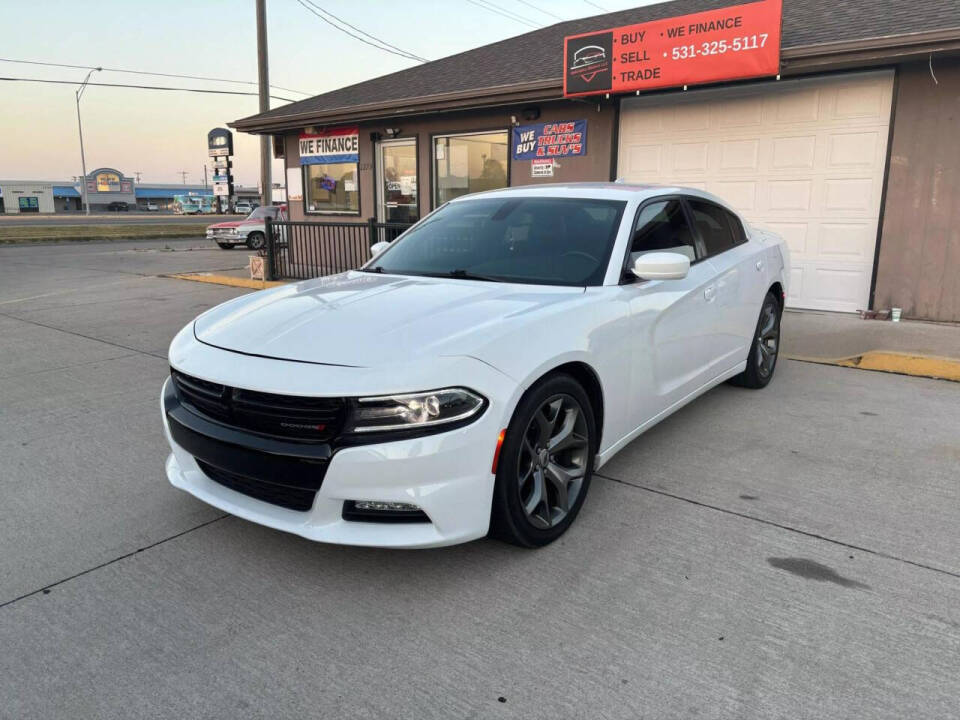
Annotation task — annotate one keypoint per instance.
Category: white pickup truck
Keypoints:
(251, 231)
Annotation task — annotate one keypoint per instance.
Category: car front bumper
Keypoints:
(225, 236)
(447, 475)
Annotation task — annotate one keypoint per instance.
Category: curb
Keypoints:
(928, 366)
(227, 280)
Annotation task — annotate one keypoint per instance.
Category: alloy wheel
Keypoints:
(768, 338)
(553, 461)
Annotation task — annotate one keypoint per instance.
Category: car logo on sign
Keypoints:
(587, 56)
(588, 63)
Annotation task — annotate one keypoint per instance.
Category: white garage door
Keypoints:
(804, 158)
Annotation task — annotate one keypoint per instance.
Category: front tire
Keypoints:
(256, 241)
(762, 360)
(225, 246)
(546, 463)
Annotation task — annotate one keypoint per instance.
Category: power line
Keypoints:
(599, 7)
(144, 72)
(518, 16)
(505, 13)
(363, 32)
(401, 53)
(545, 12)
(140, 87)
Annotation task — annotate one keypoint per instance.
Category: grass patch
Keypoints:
(86, 233)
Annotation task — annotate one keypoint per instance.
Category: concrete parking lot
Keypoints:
(788, 553)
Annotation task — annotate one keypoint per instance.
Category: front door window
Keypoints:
(397, 173)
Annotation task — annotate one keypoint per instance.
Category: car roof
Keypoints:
(595, 190)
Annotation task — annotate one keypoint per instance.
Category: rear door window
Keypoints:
(712, 225)
(736, 226)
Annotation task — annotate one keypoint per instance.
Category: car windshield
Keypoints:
(537, 240)
(263, 212)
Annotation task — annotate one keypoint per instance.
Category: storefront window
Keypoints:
(331, 188)
(469, 163)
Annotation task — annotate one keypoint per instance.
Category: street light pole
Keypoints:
(266, 151)
(83, 159)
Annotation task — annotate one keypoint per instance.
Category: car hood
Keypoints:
(235, 223)
(365, 320)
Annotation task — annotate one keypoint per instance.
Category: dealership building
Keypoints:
(846, 145)
(104, 186)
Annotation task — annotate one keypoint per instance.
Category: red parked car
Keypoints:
(251, 231)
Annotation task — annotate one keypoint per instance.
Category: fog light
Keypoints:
(384, 506)
(375, 511)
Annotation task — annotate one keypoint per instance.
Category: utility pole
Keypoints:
(263, 77)
(204, 176)
(83, 159)
(183, 175)
(137, 175)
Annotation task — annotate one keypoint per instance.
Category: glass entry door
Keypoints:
(397, 178)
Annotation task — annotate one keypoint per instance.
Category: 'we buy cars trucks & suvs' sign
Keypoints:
(737, 42)
(550, 140)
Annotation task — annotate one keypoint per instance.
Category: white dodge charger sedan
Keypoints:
(476, 372)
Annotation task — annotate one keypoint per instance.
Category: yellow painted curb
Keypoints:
(228, 280)
(929, 366)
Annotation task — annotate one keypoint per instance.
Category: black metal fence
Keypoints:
(303, 250)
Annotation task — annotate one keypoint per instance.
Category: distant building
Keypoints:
(104, 186)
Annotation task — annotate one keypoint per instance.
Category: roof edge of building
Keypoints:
(461, 99)
(794, 60)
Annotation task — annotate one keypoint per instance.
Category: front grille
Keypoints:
(289, 497)
(284, 416)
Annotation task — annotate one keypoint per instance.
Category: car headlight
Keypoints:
(414, 410)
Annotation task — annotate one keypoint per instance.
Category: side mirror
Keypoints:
(661, 266)
(378, 248)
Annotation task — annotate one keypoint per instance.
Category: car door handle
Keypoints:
(710, 293)
(759, 265)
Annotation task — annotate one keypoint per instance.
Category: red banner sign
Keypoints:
(742, 41)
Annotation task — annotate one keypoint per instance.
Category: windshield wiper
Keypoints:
(467, 275)
(374, 269)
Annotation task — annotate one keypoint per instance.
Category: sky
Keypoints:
(160, 134)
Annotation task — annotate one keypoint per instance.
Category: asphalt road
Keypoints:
(114, 218)
(787, 553)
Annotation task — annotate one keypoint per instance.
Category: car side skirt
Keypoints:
(604, 456)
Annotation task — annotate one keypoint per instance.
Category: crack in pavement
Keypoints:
(57, 293)
(663, 493)
(112, 301)
(114, 271)
(89, 288)
(85, 337)
(46, 588)
(68, 367)
(781, 526)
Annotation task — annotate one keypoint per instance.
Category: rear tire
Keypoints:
(765, 348)
(546, 463)
(256, 241)
(225, 246)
